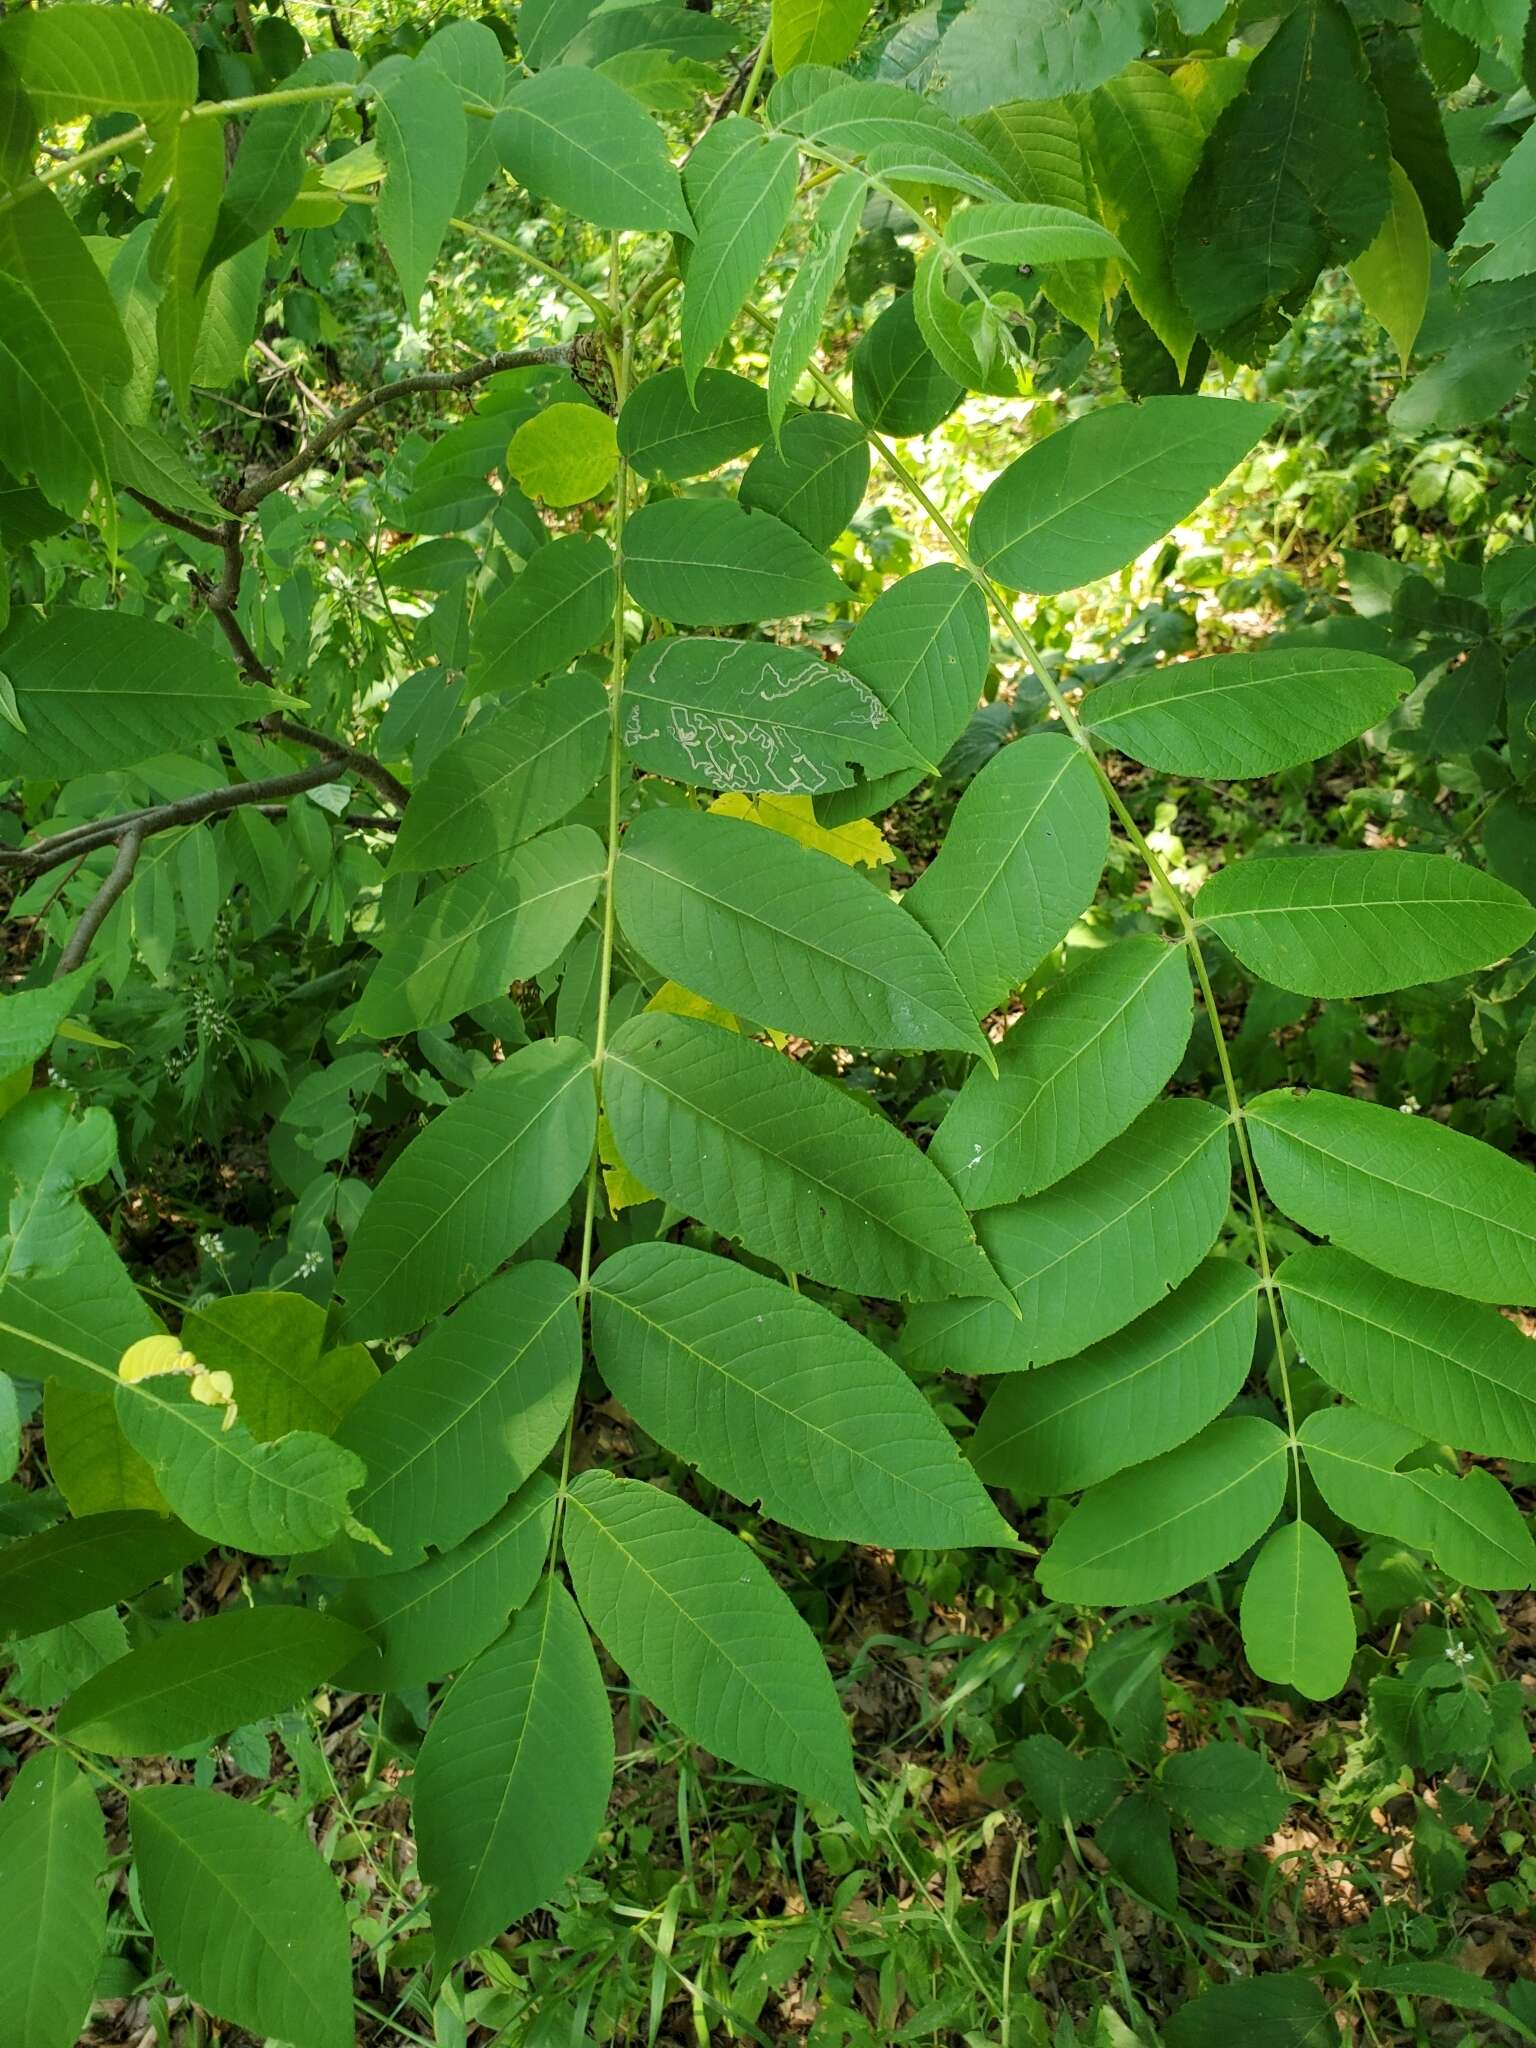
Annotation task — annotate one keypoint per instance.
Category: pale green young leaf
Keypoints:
(53, 1853)
(77, 1567)
(1088, 1254)
(53, 431)
(471, 1188)
(462, 1420)
(520, 767)
(1298, 1626)
(182, 236)
(1162, 1526)
(512, 1782)
(505, 920)
(710, 562)
(1019, 865)
(274, 1499)
(785, 936)
(922, 647)
(1425, 1203)
(576, 137)
(665, 433)
(1450, 1369)
(1144, 1390)
(813, 478)
(423, 134)
(1078, 1066)
(800, 1171)
(1090, 497)
(775, 1399)
(742, 715)
(188, 1684)
(102, 690)
(564, 455)
(557, 607)
(1392, 275)
(814, 31)
(688, 1611)
(438, 1615)
(79, 61)
(803, 312)
(1146, 142)
(272, 1345)
(1235, 715)
(1012, 232)
(244, 1913)
(1356, 924)
(740, 221)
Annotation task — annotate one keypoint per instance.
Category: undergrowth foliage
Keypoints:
(1222, 1330)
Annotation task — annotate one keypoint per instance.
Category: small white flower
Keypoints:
(1458, 1654)
(211, 1245)
(1409, 1106)
(307, 1266)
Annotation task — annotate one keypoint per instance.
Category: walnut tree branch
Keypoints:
(341, 755)
(95, 913)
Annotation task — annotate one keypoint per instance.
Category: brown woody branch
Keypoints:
(341, 755)
(95, 913)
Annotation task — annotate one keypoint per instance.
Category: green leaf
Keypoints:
(77, 1567)
(1503, 224)
(1276, 196)
(74, 1326)
(1093, 1251)
(1073, 1071)
(710, 562)
(143, 460)
(814, 479)
(423, 136)
(437, 1616)
(1235, 715)
(244, 1913)
(513, 1780)
(273, 1347)
(471, 58)
(473, 1187)
(560, 605)
(30, 1018)
(814, 31)
(103, 689)
(1088, 499)
(1019, 865)
(76, 62)
(1229, 1795)
(462, 1420)
(1012, 233)
(1037, 49)
(519, 768)
(803, 311)
(900, 133)
(42, 249)
(1452, 1371)
(1298, 1626)
(740, 220)
(742, 715)
(189, 1684)
(775, 1399)
(1412, 1197)
(274, 1499)
(1038, 147)
(898, 387)
(183, 232)
(1279, 2009)
(663, 432)
(575, 137)
(268, 171)
(700, 1627)
(801, 1171)
(565, 454)
(1065, 1786)
(1355, 924)
(1164, 1525)
(1392, 274)
(53, 432)
(1415, 130)
(53, 1853)
(48, 1154)
(1477, 1534)
(785, 936)
(1144, 1390)
(1146, 142)
(922, 647)
(941, 299)
(90, 1461)
(505, 920)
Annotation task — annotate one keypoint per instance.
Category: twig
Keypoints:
(305, 457)
(143, 824)
(337, 750)
(95, 913)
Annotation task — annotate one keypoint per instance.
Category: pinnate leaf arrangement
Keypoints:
(636, 774)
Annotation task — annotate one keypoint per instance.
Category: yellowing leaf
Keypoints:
(619, 1184)
(676, 1001)
(858, 844)
(1392, 275)
(565, 454)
